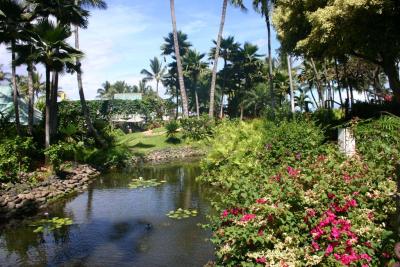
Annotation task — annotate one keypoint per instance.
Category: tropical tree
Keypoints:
(52, 50)
(332, 29)
(13, 19)
(179, 62)
(157, 72)
(100, 4)
(107, 91)
(264, 8)
(168, 48)
(238, 3)
(194, 67)
(228, 49)
(257, 98)
(303, 101)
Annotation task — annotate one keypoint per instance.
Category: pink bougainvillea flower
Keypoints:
(351, 203)
(292, 172)
(329, 250)
(335, 232)
(260, 232)
(315, 246)
(248, 217)
(225, 214)
(347, 178)
(371, 215)
(311, 212)
(277, 178)
(366, 257)
(261, 201)
(331, 195)
(261, 260)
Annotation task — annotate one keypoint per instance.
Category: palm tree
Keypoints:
(90, 4)
(178, 62)
(238, 3)
(168, 48)
(157, 72)
(264, 7)
(106, 92)
(52, 50)
(228, 49)
(256, 98)
(194, 66)
(3, 75)
(303, 101)
(12, 23)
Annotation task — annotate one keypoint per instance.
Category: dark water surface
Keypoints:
(118, 226)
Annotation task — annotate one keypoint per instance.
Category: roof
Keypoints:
(7, 106)
(128, 96)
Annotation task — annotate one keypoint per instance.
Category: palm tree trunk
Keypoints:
(85, 109)
(271, 82)
(318, 83)
(53, 104)
(216, 57)
(338, 83)
(313, 97)
(157, 87)
(197, 103)
(291, 83)
(221, 111)
(179, 62)
(241, 112)
(15, 89)
(47, 119)
(31, 98)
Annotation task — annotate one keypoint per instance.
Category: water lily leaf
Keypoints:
(182, 214)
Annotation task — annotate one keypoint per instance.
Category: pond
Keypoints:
(114, 225)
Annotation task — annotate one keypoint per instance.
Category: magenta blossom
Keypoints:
(261, 260)
(292, 172)
(248, 217)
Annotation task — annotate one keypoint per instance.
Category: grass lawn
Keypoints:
(145, 142)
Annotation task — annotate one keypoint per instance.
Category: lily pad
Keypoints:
(142, 183)
(51, 224)
(181, 214)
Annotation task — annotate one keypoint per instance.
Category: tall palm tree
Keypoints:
(12, 23)
(157, 72)
(52, 50)
(90, 4)
(179, 62)
(194, 66)
(264, 8)
(168, 48)
(106, 92)
(238, 3)
(228, 49)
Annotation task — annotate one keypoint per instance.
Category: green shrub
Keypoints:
(58, 153)
(197, 128)
(14, 157)
(172, 128)
(111, 157)
(287, 198)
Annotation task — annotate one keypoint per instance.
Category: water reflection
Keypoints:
(118, 226)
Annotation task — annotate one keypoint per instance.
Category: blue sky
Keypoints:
(120, 40)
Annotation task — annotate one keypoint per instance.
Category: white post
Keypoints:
(291, 83)
(347, 142)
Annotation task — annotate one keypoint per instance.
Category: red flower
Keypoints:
(331, 196)
(225, 214)
(261, 201)
(260, 232)
(329, 250)
(366, 257)
(248, 217)
(315, 246)
(261, 260)
(292, 172)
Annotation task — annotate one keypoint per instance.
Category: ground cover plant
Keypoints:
(289, 198)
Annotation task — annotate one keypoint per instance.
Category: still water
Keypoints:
(118, 226)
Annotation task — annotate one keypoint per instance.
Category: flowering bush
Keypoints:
(298, 203)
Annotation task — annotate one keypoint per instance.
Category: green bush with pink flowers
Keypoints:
(287, 197)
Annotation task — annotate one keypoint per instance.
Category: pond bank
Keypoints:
(24, 200)
(169, 155)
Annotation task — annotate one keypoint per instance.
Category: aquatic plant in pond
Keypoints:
(141, 183)
(51, 224)
(182, 214)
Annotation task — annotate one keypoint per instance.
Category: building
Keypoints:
(7, 107)
(128, 96)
